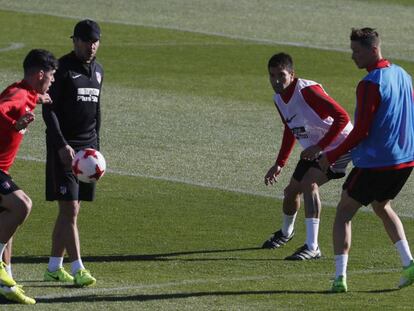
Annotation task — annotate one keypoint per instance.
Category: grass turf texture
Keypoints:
(157, 245)
(188, 107)
(195, 108)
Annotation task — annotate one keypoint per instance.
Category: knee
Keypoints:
(23, 208)
(382, 212)
(310, 187)
(69, 212)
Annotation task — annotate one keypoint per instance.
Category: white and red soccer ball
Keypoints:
(88, 165)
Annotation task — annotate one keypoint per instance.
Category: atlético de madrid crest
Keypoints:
(98, 77)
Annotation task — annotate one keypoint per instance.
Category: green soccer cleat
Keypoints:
(16, 294)
(84, 278)
(407, 277)
(60, 275)
(5, 278)
(339, 285)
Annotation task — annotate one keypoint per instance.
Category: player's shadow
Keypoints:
(149, 297)
(148, 257)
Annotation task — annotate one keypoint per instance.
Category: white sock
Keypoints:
(55, 263)
(8, 269)
(341, 263)
(312, 229)
(76, 266)
(288, 224)
(404, 250)
(2, 248)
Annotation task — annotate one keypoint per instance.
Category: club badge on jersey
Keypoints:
(98, 77)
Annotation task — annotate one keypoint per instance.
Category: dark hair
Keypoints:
(367, 37)
(38, 59)
(281, 60)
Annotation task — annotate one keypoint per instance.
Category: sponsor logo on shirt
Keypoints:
(75, 76)
(5, 185)
(87, 94)
(288, 120)
(300, 132)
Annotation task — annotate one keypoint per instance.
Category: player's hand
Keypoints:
(24, 121)
(272, 174)
(311, 153)
(66, 154)
(324, 163)
(44, 99)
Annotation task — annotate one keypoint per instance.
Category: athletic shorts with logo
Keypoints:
(62, 184)
(7, 184)
(335, 171)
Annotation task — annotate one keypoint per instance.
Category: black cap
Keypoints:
(87, 30)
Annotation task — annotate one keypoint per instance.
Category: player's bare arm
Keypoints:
(272, 174)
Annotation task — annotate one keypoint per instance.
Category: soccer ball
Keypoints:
(88, 165)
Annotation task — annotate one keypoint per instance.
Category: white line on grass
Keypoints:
(97, 291)
(193, 183)
(219, 34)
(172, 179)
(12, 46)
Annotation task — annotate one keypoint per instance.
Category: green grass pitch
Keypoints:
(189, 131)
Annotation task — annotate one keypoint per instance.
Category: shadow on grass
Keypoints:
(149, 297)
(148, 257)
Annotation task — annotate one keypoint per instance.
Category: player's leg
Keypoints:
(359, 189)
(16, 208)
(7, 257)
(61, 186)
(345, 211)
(395, 230)
(310, 183)
(291, 205)
(392, 185)
(68, 233)
(82, 276)
(65, 236)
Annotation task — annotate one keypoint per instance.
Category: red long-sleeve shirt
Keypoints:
(324, 106)
(368, 101)
(15, 101)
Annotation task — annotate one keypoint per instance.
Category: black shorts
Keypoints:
(336, 171)
(7, 184)
(62, 184)
(367, 185)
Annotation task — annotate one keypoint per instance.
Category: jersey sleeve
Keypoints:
(288, 142)
(326, 106)
(12, 102)
(48, 111)
(368, 101)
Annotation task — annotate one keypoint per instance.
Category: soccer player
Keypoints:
(319, 123)
(73, 121)
(382, 148)
(17, 103)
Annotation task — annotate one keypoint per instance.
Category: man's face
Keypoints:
(45, 80)
(280, 78)
(85, 50)
(363, 56)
